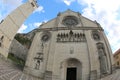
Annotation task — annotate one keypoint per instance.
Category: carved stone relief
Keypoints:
(71, 50)
(96, 35)
(39, 58)
(71, 37)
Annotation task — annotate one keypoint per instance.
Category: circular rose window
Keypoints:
(70, 21)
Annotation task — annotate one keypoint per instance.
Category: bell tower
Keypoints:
(11, 24)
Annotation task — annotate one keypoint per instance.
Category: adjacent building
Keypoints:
(117, 58)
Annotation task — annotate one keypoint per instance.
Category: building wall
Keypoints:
(117, 58)
(18, 49)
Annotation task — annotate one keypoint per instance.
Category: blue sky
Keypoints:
(105, 12)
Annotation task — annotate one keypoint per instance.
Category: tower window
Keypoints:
(1, 40)
(32, 4)
(118, 63)
(116, 57)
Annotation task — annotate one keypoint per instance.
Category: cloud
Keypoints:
(106, 15)
(68, 2)
(22, 28)
(37, 24)
(0, 17)
(6, 6)
(39, 9)
(29, 27)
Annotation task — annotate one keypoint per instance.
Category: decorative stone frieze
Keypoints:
(71, 37)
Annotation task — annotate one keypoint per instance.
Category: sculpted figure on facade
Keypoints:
(95, 35)
(102, 58)
(71, 37)
(38, 59)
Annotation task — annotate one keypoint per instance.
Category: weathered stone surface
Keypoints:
(18, 49)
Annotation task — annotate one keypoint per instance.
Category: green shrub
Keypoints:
(16, 59)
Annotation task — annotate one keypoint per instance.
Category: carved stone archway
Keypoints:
(71, 63)
(11, 24)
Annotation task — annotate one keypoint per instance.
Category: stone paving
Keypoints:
(9, 71)
(114, 76)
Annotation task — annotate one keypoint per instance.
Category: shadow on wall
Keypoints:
(16, 60)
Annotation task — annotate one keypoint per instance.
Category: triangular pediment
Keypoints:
(59, 20)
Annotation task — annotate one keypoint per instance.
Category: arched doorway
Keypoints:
(71, 69)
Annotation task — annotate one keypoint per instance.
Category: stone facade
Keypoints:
(18, 49)
(67, 44)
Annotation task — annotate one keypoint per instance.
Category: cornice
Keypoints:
(70, 28)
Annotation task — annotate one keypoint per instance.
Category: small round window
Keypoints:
(45, 36)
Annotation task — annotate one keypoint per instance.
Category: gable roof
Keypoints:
(57, 22)
(117, 52)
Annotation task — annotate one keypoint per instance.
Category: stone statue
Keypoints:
(96, 35)
(38, 60)
(102, 59)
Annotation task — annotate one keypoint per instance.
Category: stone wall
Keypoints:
(18, 49)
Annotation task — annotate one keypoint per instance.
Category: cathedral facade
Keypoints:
(69, 47)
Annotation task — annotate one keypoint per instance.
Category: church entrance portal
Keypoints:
(71, 73)
(71, 69)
